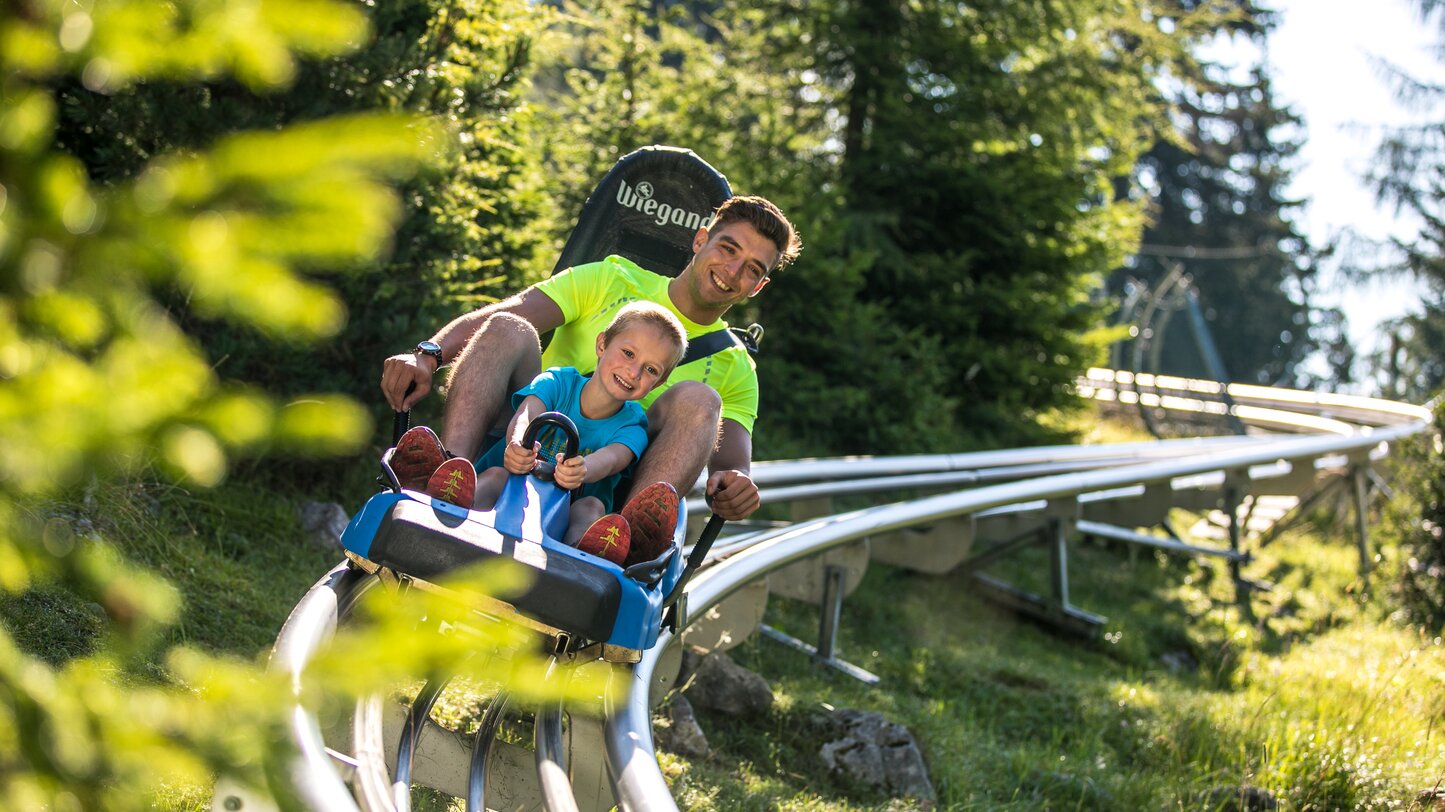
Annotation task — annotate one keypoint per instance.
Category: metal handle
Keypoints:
(399, 425)
(700, 550)
(402, 421)
(569, 431)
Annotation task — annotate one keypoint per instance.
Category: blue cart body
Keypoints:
(588, 597)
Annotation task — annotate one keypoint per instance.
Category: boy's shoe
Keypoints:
(609, 537)
(652, 514)
(418, 454)
(454, 481)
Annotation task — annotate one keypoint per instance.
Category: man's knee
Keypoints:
(504, 340)
(507, 329)
(691, 402)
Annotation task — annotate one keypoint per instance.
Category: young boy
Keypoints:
(636, 352)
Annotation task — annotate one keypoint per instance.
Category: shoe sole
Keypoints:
(609, 537)
(454, 481)
(418, 454)
(652, 514)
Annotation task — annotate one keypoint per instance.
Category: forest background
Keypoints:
(210, 212)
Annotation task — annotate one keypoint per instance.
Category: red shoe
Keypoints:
(652, 513)
(609, 537)
(418, 454)
(454, 481)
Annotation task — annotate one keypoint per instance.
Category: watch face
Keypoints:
(430, 348)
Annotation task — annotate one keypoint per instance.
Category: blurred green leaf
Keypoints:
(194, 455)
(26, 116)
(241, 419)
(99, 376)
(460, 637)
(323, 424)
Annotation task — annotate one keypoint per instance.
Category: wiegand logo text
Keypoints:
(639, 198)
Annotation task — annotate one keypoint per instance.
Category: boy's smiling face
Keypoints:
(635, 362)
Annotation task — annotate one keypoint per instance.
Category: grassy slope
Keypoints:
(1320, 704)
(1324, 704)
(237, 553)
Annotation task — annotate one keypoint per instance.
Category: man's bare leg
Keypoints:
(682, 428)
(503, 355)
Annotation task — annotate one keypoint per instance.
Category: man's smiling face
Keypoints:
(730, 264)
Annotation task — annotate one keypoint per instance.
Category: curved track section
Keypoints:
(1293, 441)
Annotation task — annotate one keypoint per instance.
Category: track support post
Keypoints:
(829, 615)
(1058, 532)
(830, 612)
(1232, 496)
(1360, 480)
(1055, 609)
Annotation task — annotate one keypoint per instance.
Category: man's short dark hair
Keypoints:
(768, 219)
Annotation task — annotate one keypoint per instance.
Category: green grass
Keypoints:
(1319, 702)
(237, 553)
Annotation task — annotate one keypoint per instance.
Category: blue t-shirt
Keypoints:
(560, 390)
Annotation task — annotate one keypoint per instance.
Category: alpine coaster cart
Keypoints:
(647, 209)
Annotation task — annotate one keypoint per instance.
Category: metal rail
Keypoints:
(481, 750)
(639, 784)
(978, 485)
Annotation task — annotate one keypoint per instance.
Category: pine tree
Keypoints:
(974, 204)
(474, 226)
(1222, 220)
(953, 172)
(1409, 175)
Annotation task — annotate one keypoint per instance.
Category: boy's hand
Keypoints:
(519, 460)
(570, 472)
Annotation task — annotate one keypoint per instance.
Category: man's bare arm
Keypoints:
(734, 495)
(403, 371)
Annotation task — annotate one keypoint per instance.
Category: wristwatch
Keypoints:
(429, 348)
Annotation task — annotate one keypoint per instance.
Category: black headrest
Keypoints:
(647, 208)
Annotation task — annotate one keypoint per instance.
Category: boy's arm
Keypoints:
(606, 461)
(733, 492)
(516, 458)
(574, 472)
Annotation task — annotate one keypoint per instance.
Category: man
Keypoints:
(702, 417)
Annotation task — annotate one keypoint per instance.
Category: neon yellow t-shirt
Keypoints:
(590, 295)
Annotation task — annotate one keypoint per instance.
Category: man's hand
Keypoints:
(402, 372)
(518, 459)
(570, 472)
(733, 494)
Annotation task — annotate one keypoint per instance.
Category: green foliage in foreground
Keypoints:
(94, 377)
(239, 561)
(466, 227)
(98, 380)
(1322, 705)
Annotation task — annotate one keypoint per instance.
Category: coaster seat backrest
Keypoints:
(647, 209)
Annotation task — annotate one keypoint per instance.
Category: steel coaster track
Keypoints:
(1323, 430)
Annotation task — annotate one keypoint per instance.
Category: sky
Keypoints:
(1323, 59)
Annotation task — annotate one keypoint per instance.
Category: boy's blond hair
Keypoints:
(643, 312)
